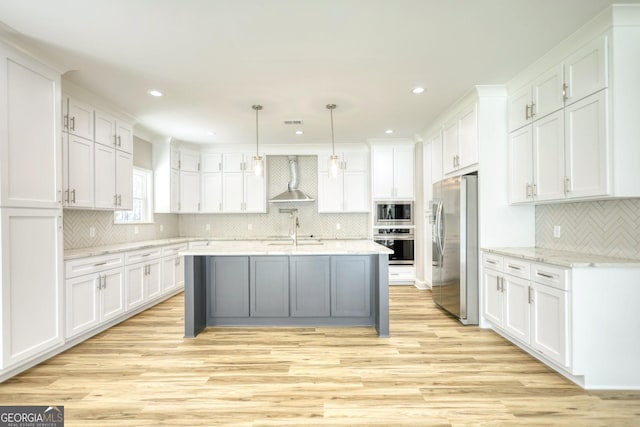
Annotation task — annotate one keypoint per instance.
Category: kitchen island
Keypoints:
(277, 283)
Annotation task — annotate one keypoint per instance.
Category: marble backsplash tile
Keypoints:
(610, 228)
(78, 222)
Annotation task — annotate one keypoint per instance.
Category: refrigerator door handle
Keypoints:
(441, 229)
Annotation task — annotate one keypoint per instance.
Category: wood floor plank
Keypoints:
(431, 372)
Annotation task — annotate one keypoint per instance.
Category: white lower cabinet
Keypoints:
(93, 299)
(530, 312)
(172, 268)
(142, 283)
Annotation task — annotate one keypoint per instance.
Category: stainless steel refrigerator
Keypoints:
(455, 247)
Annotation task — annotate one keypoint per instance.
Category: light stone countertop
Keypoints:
(564, 258)
(70, 254)
(283, 247)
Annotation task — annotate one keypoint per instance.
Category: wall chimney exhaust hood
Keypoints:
(292, 194)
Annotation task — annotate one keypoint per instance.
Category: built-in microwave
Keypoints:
(390, 213)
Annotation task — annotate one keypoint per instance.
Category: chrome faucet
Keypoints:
(294, 229)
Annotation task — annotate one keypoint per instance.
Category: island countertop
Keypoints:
(286, 247)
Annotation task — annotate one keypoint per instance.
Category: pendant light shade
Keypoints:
(258, 161)
(334, 163)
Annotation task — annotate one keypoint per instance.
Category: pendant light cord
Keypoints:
(331, 107)
(257, 108)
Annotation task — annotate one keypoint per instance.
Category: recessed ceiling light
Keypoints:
(417, 90)
(299, 132)
(388, 131)
(210, 133)
(155, 93)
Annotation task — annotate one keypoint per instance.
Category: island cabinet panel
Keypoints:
(350, 286)
(228, 286)
(269, 286)
(310, 286)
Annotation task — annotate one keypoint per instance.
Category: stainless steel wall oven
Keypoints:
(400, 241)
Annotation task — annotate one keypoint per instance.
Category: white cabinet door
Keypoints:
(211, 197)
(516, 308)
(79, 119)
(450, 147)
(82, 304)
(232, 162)
(175, 190)
(178, 277)
(105, 177)
(125, 136)
(153, 284)
(382, 172)
(519, 108)
(492, 297)
(548, 92)
(355, 192)
(355, 161)
(124, 180)
(254, 193)
(330, 192)
(169, 273)
(32, 303)
(436, 157)
(134, 285)
(211, 162)
(520, 165)
(587, 147)
(105, 129)
(30, 144)
(189, 192)
(468, 147)
(232, 192)
(79, 154)
(586, 71)
(174, 156)
(403, 166)
(548, 157)
(112, 294)
(549, 316)
(189, 160)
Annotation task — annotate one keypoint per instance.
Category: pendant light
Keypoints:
(334, 164)
(258, 163)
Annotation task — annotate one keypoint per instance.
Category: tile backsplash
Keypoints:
(609, 227)
(77, 224)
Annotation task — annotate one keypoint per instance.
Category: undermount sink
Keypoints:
(300, 243)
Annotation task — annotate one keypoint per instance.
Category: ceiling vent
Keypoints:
(293, 122)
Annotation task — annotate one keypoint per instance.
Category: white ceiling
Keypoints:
(213, 59)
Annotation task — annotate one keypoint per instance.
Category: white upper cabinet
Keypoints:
(460, 140)
(519, 105)
(189, 160)
(189, 192)
(586, 70)
(113, 132)
(232, 192)
(30, 120)
(78, 154)
(520, 165)
(547, 93)
(77, 118)
(105, 196)
(233, 162)
(348, 191)
(124, 132)
(211, 162)
(393, 171)
(587, 147)
(584, 127)
(211, 192)
(124, 180)
(436, 157)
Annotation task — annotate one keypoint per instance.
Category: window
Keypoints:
(142, 211)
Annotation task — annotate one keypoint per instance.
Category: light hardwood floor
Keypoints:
(431, 372)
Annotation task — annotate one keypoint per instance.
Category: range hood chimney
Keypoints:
(292, 194)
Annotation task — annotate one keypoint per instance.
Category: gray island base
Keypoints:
(339, 283)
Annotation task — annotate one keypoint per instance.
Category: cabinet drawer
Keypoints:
(174, 249)
(494, 262)
(78, 267)
(517, 267)
(555, 277)
(142, 255)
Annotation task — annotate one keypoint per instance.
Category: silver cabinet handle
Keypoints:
(526, 113)
(548, 276)
(498, 283)
(66, 121)
(119, 199)
(529, 295)
(454, 161)
(99, 264)
(119, 141)
(73, 123)
(73, 196)
(60, 196)
(491, 262)
(115, 140)
(115, 200)
(66, 196)
(533, 111)
(565, 88)
(501, 284)
(514, 267)
(99, 282)
(528, 191)
(535, 190)
(567, 184)
(104, 282)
